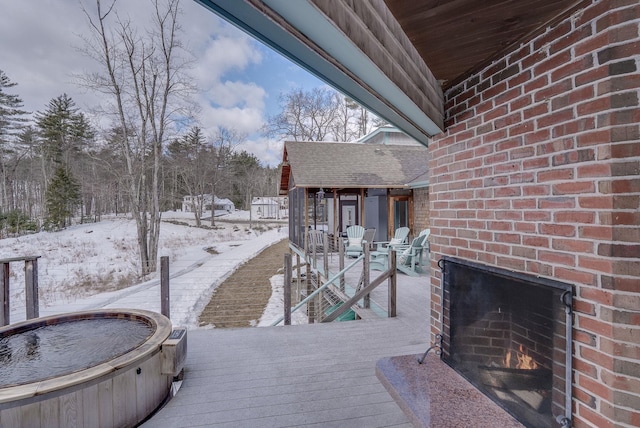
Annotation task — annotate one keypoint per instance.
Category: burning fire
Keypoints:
(519, 360)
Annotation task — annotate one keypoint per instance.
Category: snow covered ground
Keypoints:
(95, 265)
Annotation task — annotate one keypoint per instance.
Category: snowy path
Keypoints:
(191, 286)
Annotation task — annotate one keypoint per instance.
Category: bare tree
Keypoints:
(320, 114)
(191, 158)
(224, 142)
(143, 76)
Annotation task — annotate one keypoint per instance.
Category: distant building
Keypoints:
(189, 203)
(269, 207)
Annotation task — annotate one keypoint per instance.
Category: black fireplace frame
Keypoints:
(566, 300)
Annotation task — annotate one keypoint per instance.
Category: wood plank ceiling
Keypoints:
(456, 37)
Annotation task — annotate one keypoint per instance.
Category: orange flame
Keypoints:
(522, 360)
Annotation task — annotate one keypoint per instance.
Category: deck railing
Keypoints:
(320, 284)
(31, 288)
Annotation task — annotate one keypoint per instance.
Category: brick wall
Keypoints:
(539, 172)
(420, 209)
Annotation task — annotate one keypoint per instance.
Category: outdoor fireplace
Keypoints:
(506, 333)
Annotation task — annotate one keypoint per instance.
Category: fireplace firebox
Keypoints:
(509, 334)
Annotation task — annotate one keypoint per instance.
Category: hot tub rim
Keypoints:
(161, 330)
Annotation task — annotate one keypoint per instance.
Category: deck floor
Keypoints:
(320, 375)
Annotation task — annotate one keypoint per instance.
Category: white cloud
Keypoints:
(244, 120)
(268, 151)
(40, 52)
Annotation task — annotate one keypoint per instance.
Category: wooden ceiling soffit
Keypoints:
(356, 47)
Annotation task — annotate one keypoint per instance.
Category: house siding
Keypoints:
(539, 172)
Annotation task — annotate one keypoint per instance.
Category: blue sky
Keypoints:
(239, 78)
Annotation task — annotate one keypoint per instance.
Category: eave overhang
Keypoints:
(358, 49)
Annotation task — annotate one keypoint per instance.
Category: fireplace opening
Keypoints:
(509, 334)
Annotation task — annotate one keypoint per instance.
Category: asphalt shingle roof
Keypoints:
(355, 165)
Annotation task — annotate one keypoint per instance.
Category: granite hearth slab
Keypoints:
(433, 395)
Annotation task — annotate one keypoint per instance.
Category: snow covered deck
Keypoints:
(303, 375)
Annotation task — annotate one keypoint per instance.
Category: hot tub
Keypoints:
(56, 374)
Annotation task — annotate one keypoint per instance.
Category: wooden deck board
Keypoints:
(319, 375)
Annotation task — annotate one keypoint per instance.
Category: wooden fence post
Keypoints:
(287, 289)
(311, 305)
(4, 295)
(392, 284)
(366, 301)
(31, 287)
(165, 302)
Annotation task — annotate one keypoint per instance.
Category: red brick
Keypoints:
(511, 263)
(618, 84)
(551, 63)
(618, 17)
(494, 91)
(596, 295)
(536, 190)
(541, 269)
(537, 137)
(554, 146)
(525, 152)
(538, 83)
(555, 118)
(538, 215)
(521, 102)
(594, 419)
(593, 138)
(524, 227)
(592, 75)
(583, 336)
(574, 97)
(552, 35)
(537, 163)
(570, 275)
(575, 216)
(595, 202)
(557, 202)
(522, 128)
(508, 144)
(556, 258)
(596, 326)
(572, 188)
(572, 68)
(536, 241)
(623, 51)
(555, 175)
(594, 170)
(535, 110)
(596, 232)
(572, 245)
(595, 263)
(592, 44)
(585, 308)
(574, 127)
(595, 387)
(551, 91)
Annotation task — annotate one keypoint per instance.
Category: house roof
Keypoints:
(352, 165)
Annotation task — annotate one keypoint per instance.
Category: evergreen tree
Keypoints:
(63, 197)
(10, 109)
(63, 129)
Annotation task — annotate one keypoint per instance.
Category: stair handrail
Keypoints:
(320, 289)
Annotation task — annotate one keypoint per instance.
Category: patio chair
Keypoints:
(379, 259)
(353, 244)
(369, 236)
(316, 240)
(400, 237)
(424, 251)
(407, 256)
